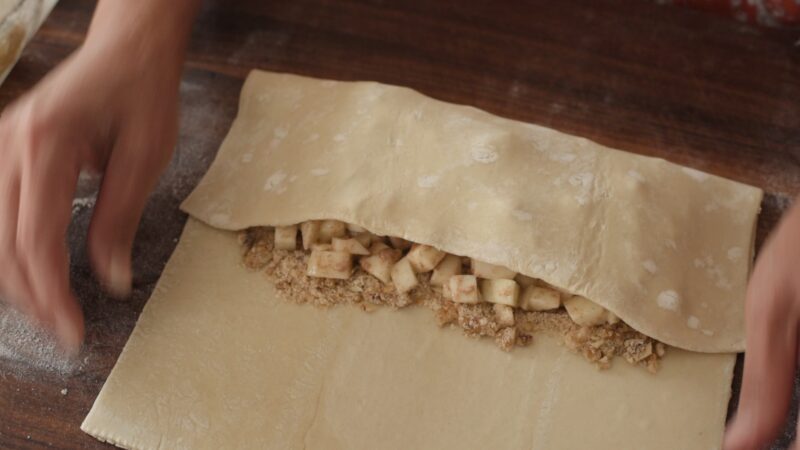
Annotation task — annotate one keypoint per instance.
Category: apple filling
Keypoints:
(328, 262)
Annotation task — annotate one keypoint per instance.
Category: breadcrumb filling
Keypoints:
(508, 327)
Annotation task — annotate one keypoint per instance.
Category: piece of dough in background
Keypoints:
(19, 21)
(218, 361)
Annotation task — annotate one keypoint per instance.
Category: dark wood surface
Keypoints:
(698, 90)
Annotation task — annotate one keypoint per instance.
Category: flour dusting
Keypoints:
(735, 253)
(81, 203)
(484, 155)
(427, 181)
(695, 174)
(668, 299)
(521, 215)
(636, 175)
(22, 342)
(274, 181)
(562, 157)
(581, 179)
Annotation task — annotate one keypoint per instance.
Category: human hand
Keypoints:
(110, 108)
(772, 315)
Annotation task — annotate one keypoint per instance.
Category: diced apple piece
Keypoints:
(380, 263)
(351, 246)
(491, 271)
(504, 292)
(584, 311)
(403, 276)
(310, 232)
(330, 229)
(364, 239)
(464, 289)
(524, 280)
(286, 237)
(504, 315)
(424, 258)
(399, 243)
(378, 246)
(446, 291)
(449, 266)
(355, 229)
(329, 264)
(322, 247)
(538, 298)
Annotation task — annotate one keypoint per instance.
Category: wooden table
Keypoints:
(702, 91)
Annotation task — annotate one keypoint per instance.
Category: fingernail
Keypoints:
(119, 276)
(68, 335)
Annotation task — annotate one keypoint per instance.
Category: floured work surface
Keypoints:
(217, 361)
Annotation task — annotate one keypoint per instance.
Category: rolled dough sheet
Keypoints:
(666, 248)
(217, 361)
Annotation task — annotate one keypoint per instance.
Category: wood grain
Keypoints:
(695, 89)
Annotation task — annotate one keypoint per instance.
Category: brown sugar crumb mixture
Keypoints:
(328, 262)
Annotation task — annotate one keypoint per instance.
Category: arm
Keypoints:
(111, 108)
(772, 317)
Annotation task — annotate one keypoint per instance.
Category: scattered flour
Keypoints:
(521, 215)
(24, 343)
(650, 266)
(484, 155)
(83, 202)
(274, 181)
(581, 179)
(219, 219)
(280, 132)
(735, 253)
(668, 299)
(693, 322)
(319, 172)
(562, 157)
(636, 175)
(427, 181)
(695, 174)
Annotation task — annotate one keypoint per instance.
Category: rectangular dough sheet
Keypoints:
(217, 361)
(665, 247)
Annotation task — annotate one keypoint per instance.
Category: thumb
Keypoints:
(130, 175)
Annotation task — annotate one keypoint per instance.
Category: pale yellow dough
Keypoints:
(666, 248)
(217, 361)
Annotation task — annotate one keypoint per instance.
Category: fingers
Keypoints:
(13, 284)
(131, 173)
(770, 360)
(47, 185)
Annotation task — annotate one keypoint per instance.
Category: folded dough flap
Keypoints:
(666, 248)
